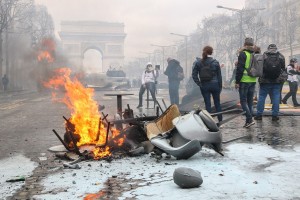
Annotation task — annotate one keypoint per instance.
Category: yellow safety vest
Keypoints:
(246, 78)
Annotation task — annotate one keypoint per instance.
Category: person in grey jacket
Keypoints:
(212, 87)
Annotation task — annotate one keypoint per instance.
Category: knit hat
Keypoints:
(272, 47)
(293, 60)
(249, 41)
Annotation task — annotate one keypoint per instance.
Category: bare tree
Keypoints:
(290, 23)
(42, 25)
(12, 12)
(254, 26)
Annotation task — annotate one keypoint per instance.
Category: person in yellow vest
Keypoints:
(244, 83)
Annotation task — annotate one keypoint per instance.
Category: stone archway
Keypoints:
(92, 61)
(79, 36)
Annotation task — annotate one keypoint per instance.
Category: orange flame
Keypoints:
(45, 56)
(84, 111)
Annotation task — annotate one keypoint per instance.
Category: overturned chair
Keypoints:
(184, 136)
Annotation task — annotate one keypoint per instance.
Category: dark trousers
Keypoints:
(208, 89)
(5, 87)
(292, 92)
(149, 86)
(174, 92)
(246, 91)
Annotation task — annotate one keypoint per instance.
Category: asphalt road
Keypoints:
(27, 120)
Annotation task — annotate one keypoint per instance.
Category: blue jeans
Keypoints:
(208, 89)
(174, 92)
(246, 91)
(264, 90)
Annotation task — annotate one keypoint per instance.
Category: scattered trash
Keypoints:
(71, 166)
(16, 179)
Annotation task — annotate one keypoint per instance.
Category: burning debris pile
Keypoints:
(85, 126)
(181, 136)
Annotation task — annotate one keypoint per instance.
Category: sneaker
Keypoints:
(258, 117)
(297, 105)
(248, 124)
(139, 106)
(275, 118)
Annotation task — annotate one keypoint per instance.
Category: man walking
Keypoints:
(245, 83)
(293, 82)
(270, 82)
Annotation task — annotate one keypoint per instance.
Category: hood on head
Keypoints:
(249, 48)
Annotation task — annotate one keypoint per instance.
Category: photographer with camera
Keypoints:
(149, 78)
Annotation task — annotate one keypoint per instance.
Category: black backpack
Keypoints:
(272, 68)
(206, 73)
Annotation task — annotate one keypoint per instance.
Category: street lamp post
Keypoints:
(163, 53)
(241, 12)
(186, 50)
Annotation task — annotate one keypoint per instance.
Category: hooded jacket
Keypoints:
(215, 66)
(242, 62)
(282, 66)
(172, 70)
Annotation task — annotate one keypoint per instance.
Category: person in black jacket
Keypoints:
(269, 84)
(174, 81)
(245, 83)
(209, 87)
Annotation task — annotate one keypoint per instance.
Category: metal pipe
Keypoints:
(61, 140)
(164, 104)
(105, 117)
(99, 127)
(74, 143)
(129, 120)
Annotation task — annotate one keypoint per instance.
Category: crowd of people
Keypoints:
(207, 74)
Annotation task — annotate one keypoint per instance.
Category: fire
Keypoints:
(84, 112)
(45, 55)
(47, 50)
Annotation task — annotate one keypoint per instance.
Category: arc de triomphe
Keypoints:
(79, 36)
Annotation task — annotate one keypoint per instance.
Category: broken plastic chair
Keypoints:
(201, 127)
(183, 136)
(183, 152)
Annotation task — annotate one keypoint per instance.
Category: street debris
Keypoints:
(16, 179)
(187, 178)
